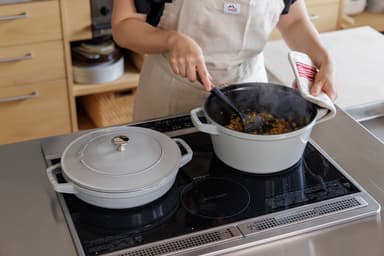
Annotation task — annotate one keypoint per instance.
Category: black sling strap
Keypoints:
(154, 8)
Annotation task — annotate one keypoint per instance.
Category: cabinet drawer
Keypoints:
(324, 16)
(25, 64)
(33, 111)
(29, 22)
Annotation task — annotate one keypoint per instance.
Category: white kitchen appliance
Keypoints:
(353, 7)
(97, 61)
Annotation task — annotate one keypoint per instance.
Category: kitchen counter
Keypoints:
(32, 222)
(359, 58)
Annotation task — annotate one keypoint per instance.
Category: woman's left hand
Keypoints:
(325, 80)
(301, 35)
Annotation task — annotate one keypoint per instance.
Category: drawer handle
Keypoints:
(314, 17)
(27, 56)
(34, 94)
(14, 17)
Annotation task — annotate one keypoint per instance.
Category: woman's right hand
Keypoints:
(187, 60)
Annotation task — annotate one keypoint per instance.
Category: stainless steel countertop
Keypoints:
(32, 222)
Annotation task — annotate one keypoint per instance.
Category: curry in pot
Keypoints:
(271, 125)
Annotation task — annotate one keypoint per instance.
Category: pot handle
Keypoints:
(187, 156)
(67, 188)
(323, 114)
(207, 128)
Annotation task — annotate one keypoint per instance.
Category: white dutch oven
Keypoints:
(258, 154)
(120, 167)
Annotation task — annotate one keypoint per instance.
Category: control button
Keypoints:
(105, 11)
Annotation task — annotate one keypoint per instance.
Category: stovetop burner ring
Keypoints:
(138, 218)
(209, 198)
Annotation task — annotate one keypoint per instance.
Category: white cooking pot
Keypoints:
(120, 167)
(252, 153)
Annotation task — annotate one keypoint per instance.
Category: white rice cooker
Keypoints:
(97, 61)
(353, 7)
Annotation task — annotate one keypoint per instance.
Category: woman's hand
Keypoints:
(325, 80)
(300, 35)
(130, 30)
(187, 60)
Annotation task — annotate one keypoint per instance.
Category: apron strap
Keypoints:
(153, 8)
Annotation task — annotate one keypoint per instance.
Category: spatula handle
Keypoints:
(217, 92)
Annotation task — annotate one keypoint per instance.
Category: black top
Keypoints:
(206, 193)
(154, 8)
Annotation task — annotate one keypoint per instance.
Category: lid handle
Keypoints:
(120, 141)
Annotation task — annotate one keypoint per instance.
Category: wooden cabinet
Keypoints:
(374, 20)
(26, 63)
(33, 85)
(324, 14)
(35, 21)
(77, 19)
(76, 15)
(33, 111)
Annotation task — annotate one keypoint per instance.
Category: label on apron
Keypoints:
(232, 8)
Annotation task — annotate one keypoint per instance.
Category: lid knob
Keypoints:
(120, 141)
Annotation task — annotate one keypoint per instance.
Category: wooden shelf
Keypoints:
(375, 20)
(129, 80)
(83, 120)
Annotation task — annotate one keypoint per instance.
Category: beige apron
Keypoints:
(232, 35)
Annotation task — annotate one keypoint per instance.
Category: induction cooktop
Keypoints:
(213, 208)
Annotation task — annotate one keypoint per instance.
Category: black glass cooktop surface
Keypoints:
(207, 193)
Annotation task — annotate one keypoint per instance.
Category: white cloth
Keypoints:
(305, 71)
(232, 36)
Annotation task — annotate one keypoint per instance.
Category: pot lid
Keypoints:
(122, 159)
